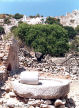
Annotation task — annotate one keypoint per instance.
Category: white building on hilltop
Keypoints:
(1, 22)
(24, 18)
(71, 19)
(14, 22)
(37, 20)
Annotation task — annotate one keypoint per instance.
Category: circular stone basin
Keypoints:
(47, 89)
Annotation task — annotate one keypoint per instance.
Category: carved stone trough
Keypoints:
(45, 89)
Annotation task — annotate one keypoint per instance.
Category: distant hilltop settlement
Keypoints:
(7, 21)
(71, 19)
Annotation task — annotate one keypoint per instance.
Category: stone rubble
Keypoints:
(11, 100)
(58, 102)
(47, 67)
(51, 65)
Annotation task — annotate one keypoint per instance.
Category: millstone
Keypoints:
(46, 89)
(28, 77)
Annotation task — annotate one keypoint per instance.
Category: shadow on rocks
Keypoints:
(11, 73)
(70, 103)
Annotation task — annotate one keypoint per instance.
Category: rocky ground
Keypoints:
(48, 69)
(9, 99)
(51, 65)
(74, 92)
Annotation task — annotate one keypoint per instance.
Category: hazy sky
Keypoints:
(43, 7)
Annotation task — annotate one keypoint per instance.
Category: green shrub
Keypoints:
(13, 28)
(2, 31)
(18, 16)
(51, 20)
(71, 32)
(48, 39)
(7, 21)
(77, 29)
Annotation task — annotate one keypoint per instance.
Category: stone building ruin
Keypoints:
(9, 61)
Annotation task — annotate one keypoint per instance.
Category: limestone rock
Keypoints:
(1, 101)
(48, 102)
(12, 94)
(51, 106)
(35, 103)
(11, 103)
(38, 55)
(26, 53)
(58, 103)
(1, 55)
(7, 89)
(43, 106)
(31, 107)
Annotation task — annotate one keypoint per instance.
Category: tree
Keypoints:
(71, 32)
(7, 21)
(47, 39)
(18, 16)
(74, 45)
(51, 20)
(2, 30)
(35, 16)
(38, 15)
(77, 29)
(20, 22)
(13, 28)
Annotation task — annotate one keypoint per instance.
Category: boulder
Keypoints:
(48, 102)
(26, 53)
(38, 55)
(43, 106)
(11, 103)
(47, 89)
(59, 102)
(12, 94)
(28, 77)
(31, 107)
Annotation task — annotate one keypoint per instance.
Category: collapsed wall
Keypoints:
(9, 61)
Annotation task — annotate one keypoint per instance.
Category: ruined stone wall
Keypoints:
(9, 60)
